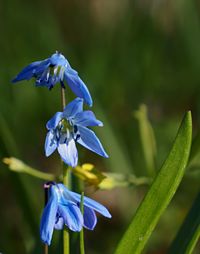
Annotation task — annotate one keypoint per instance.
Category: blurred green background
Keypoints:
(128, 53)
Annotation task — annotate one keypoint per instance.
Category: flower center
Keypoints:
(64, 126)
(66, 131)
(57, 71)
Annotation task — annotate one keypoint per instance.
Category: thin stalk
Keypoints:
(46, 249)
(38, 174)
(66, 235)
(66, 182)
(63, 99)
(46, 189)
(82, 245)
(20, 167)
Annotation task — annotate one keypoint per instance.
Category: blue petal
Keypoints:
(58, 59)
(73, 108)
(95, 206)
(49, 218)
(77, 85)
(88, 202)
(27, 72)
(68, 153)
(89, 140)
(72, 216)
(33, 69)
(41, 67)
(53, 122)
(59, 223)
(89, 218)
(50, 143)
(87, 118)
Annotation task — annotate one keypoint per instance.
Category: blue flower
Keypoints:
(69, 126)
(53, 70)
(63, 208)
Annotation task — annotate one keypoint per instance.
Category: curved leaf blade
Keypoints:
(148, 140)
(160, 193)
(189, 232)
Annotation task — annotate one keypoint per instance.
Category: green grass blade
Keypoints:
(160, 193)
(82, 243)
(189, 232)
(147, 139)
(194, 159)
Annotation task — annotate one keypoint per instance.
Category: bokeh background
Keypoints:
(128, 53)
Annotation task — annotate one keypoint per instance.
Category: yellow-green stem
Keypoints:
(82, 245)
(46, 194)
(66, 235)
(63, 99)
(66, 182)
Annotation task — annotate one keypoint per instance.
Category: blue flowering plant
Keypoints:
(70, 126)
(63, 206)
(65, 209)
(55, 69)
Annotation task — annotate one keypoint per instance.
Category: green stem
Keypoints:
(66, 235)
(66, 182)
(20, 167)
(38, 174)
(63, 99)
(66, 248)
(46, 194)
(82, 245)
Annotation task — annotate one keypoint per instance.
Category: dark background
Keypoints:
(128, 53)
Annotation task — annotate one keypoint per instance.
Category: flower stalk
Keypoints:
(46, 249)
(66, 182)
(63, 99)
(46, 187)
(82, 245)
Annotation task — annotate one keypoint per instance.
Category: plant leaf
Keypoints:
(147, 138)
(194, 159)
(160, 193)
(189, 232)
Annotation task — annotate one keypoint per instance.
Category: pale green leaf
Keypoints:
(147, 138)
(160, 193)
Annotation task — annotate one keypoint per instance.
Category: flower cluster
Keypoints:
(65, 129)
(55, 69)
(70, 126)
(63, 208)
